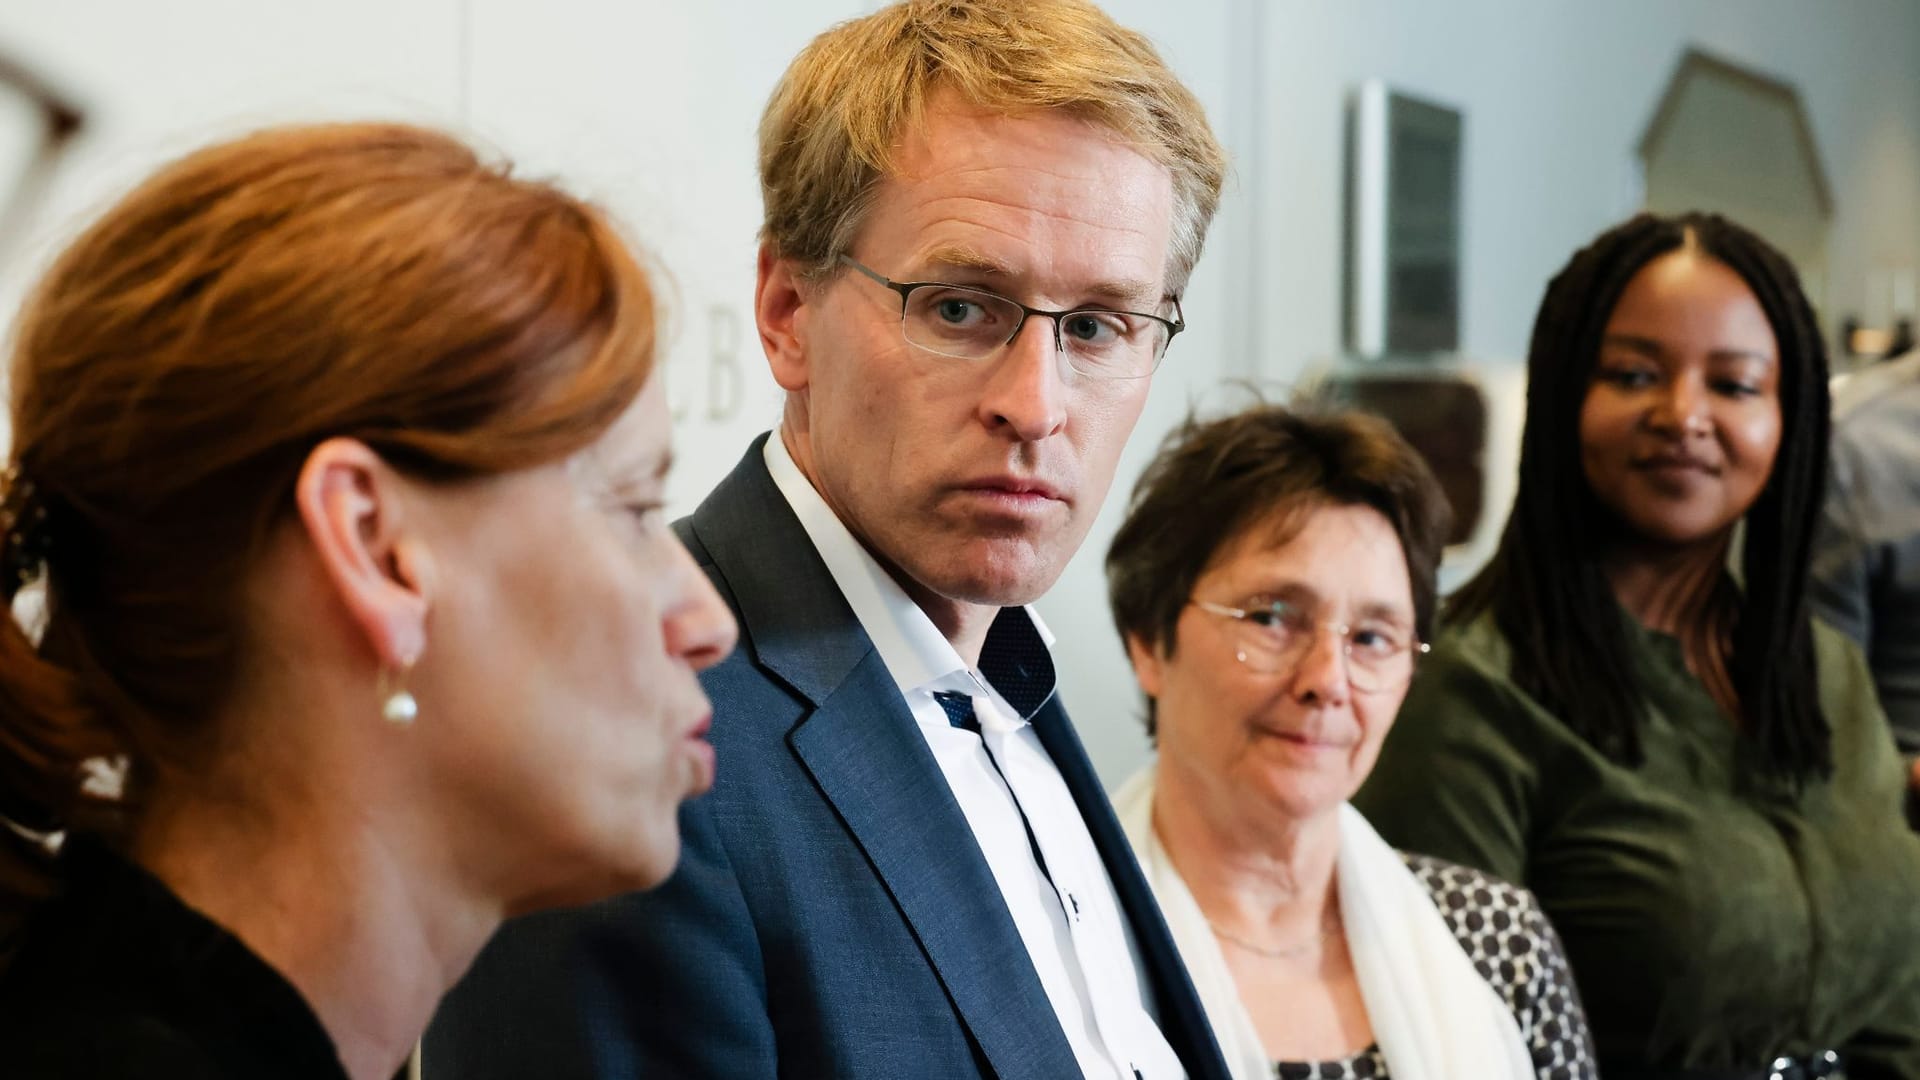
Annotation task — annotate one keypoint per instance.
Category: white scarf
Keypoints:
(1433, 1015)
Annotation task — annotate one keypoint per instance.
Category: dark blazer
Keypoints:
(116, 979)
(832, 914)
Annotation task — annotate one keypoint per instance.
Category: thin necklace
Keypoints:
(1327, 931)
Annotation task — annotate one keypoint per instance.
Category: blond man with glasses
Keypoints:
(980, 217)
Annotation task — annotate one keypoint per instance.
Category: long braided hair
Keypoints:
(1545, 585)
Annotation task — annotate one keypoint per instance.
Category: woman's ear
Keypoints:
(1148, 665)
(352, 505)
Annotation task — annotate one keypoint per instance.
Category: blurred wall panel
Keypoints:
(1556, 96)
(156, 80)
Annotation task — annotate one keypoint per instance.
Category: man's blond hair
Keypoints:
(835, 120)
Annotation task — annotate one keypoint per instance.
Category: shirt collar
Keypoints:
(1015, 660)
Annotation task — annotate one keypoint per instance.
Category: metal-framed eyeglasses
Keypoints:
(1272, 637)
(972, 324)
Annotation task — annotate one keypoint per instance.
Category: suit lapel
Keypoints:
(862, 748)
(792, 617)
(1182, 1019)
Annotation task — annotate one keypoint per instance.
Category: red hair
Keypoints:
(182, 358)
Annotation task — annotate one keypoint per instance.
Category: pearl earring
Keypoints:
(397, 704)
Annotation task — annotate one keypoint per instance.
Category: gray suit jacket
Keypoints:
(1866, 556)
(832, 915)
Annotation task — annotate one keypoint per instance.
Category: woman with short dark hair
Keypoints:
(1273, 581)
(1692, 775)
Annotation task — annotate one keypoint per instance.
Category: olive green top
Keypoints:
(1708, 927)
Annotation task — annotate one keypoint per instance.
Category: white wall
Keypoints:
(651, 108)
(1557, 94)
(157, 80)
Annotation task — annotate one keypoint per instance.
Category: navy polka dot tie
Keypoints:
(959, 709)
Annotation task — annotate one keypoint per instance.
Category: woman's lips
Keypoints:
(701, 753)
(1304, 742)
(1676, 464)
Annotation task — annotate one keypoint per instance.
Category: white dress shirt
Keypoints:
(1078, 938)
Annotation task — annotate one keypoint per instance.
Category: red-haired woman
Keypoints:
(338, 454)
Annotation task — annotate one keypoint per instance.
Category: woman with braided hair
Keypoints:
(339, 458)
(1630, 711)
